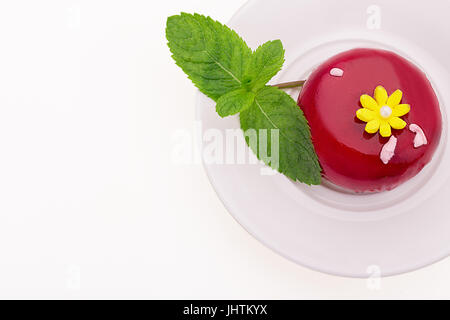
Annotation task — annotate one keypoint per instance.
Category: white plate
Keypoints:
(318, 227)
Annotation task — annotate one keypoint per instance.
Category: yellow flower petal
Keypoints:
(381, 95)
(365, 115)
(401, 110)
(373, 126)
(395, 99)
(397, 123)
(385, 129)
(368, 102)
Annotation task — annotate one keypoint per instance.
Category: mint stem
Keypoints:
(292, 84)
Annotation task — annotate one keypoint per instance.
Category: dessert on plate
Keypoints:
(375, 119)
(371, 119)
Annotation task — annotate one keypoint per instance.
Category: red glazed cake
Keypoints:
(375, 119)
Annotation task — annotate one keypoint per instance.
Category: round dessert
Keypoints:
(375, 119)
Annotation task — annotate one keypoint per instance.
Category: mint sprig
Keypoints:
(223, 67)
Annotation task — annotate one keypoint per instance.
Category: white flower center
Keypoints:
(385, 112)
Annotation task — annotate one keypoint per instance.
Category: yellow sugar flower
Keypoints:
(383, 112)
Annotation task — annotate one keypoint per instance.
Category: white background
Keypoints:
(91, 205)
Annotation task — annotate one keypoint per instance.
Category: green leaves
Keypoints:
(274, 109)
(223, 67)
(267, 61)
(219, 62)
(212, 55)
(234, 102)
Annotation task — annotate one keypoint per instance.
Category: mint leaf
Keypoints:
(234, 102)
(267, 61)
(213, 56)
(274, 109)
(223, 67)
